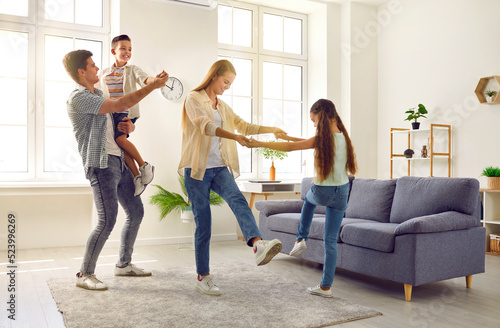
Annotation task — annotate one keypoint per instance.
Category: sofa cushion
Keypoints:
(289, 223)
(417, 196)
(447, 221)
(376, 236)
(347, 221)
(371, 199)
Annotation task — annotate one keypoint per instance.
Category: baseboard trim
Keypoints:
(170, 240)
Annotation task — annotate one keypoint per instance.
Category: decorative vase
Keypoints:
(415, 125)
(488, 98)
(493, 183)
(272, 172)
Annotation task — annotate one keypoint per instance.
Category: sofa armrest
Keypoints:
(270, 207)
(446, 221)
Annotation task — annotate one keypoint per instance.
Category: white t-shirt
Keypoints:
(112, 147)
(214, 157)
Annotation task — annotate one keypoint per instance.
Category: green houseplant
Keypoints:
(416, 113)
(490, 94)
(273, 155)
(492, 175)
(168, 201)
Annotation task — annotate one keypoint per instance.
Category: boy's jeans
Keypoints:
(219, 180)
(335, 200)
(112, 185)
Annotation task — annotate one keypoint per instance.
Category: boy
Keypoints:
(115, 82)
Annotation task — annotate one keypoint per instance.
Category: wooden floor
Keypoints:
(443, 304)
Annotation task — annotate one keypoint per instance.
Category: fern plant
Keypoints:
(491, 171)
(168, 201)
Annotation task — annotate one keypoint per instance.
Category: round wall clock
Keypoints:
(173, 90)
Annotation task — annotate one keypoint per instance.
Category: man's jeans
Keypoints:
(219, 180)
(335, 200)
(112, 185)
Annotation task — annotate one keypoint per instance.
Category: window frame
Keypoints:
(269, 56)
(37, 29)
(284, 13)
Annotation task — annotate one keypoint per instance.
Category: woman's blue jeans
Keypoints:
(221, 181)
(110, 186)
(335, 200)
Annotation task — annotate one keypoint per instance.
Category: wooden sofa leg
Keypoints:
(408, 292)
(468, 281)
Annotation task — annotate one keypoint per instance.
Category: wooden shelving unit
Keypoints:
(432, 154)
(481, 88)
(491, 214)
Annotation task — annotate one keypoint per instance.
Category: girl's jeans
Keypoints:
(219, 180)
(112, 185)
(335, 200)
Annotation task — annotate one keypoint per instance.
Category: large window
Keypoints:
(37, 137)
(268, 49)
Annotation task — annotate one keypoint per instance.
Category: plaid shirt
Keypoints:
(89, 127)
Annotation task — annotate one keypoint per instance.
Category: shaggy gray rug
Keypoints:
(251, 297)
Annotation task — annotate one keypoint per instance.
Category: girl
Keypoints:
(208, 155)
(333, 159)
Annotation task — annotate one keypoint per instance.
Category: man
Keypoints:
(104, 164)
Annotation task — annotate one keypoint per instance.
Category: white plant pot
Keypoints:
(187, 216)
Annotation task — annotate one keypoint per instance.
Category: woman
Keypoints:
(333, 158)
(210, 162)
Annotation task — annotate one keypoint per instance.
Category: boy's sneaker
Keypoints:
(147, 173)
(139, 186)
(320, 292)
(265, 250)
(131, 270)
(298, 248)
(89, 281)
(206, 285)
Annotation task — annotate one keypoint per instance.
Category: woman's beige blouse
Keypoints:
(198, 132)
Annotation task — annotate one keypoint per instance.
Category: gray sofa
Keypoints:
(411, 230)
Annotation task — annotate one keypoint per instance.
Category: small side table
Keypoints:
(268, 188)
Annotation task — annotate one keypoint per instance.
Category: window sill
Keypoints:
(44, 188)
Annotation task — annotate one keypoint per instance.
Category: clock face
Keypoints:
(173, 89)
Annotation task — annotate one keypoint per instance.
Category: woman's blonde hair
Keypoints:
(324, 148)
(217, 69)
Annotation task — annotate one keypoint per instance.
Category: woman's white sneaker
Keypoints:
(298, 248)
(265, 250)
(320, 292)
(206, 285)
(89, 281)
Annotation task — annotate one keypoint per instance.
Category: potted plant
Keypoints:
(492, 175)
(414, 114)
(272, 155)
(490, 94)
(170, 201)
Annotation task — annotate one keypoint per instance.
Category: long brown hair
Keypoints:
(218, 68)
(324, 147)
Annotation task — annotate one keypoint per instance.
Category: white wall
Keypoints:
(434, 53)
(358, 108)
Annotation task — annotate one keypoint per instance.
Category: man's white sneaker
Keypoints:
(139, 186)
(206, 285)
(89, 281)
(298, 248)
(147, 173)
(265, 250)
(131, 270)
(320, 292)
